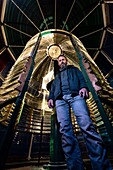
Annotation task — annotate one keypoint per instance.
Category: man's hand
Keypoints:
(84, 93)
(50, 103)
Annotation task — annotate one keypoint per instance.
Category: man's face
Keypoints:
(62, 62)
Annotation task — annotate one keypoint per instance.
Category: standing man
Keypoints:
(69, 90)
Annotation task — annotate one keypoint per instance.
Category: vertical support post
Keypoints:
(56, 153)
(104, 116)
(57, 160)
(10, 131)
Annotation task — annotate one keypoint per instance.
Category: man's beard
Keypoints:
(63, 65)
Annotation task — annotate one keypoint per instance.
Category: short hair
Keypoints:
(62, 55)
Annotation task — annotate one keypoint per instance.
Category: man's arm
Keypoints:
(81, 79)
(51, 96)
(50, 103)
(83, 92)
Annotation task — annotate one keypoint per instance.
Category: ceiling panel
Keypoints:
(90, 20)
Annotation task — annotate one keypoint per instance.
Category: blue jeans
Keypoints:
(70, 145)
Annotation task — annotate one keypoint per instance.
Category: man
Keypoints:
(69, 90)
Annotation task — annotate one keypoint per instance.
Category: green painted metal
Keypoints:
(57, 159)
(9, 134)
(56, 153)
(105, 119)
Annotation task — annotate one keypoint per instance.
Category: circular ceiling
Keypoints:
(90, 20)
